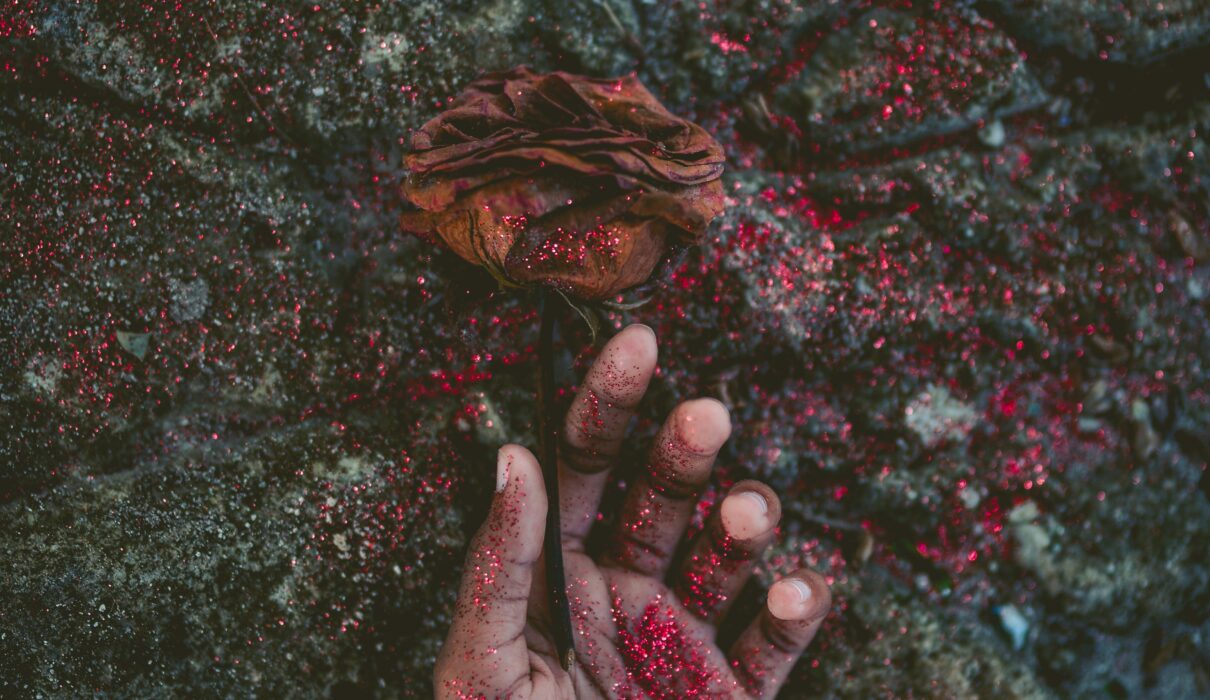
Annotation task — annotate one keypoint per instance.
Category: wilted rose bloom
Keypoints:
(579, 183)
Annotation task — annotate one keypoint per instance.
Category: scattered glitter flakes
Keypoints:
(892, 76)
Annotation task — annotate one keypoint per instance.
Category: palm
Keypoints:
(642, 627)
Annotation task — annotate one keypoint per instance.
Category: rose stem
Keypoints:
(548, 441)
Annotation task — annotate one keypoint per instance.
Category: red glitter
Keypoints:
(662, 659)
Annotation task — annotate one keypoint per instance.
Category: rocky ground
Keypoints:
(958, 307)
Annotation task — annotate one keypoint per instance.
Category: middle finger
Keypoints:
(657, 508)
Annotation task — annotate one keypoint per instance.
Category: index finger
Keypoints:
(596, 425)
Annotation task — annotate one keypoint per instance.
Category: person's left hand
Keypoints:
(642, 627)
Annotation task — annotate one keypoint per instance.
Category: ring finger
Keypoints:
(720, 559)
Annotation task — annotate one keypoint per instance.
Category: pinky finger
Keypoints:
(765, 653)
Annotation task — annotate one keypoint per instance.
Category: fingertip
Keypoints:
(703, 424)
(516, 465)
(751, 509)
(513, 452)
(745, 515)
(821, 592)
(789, 599)
(636, 344)
(800, 596)
(640, 328)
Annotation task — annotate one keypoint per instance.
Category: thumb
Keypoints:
(486, 651)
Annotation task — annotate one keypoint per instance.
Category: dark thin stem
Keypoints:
(548, 441)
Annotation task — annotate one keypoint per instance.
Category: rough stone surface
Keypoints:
(958, 308)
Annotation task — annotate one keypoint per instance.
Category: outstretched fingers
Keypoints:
(596, 425)
(485, 652)
(765, 653)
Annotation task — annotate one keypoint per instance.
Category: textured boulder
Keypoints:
(958, 306)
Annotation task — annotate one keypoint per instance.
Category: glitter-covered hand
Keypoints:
(640, 630)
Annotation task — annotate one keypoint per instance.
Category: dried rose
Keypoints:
(579, 183)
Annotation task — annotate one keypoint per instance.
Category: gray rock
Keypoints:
(249, 425)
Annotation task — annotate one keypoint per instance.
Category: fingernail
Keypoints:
(788, 599)
(745, 515)
(757, 500)
(801, 588)
(503, 462)
(704, 425)
(643, 326)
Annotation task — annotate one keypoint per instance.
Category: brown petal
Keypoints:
(548, 102)
(594, 274)
(690, 210)
(520, 115)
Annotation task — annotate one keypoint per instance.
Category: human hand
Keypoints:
(639, 631)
